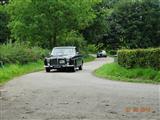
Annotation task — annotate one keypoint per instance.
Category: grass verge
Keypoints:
(139, 75)
(89, 58)
(11, 71)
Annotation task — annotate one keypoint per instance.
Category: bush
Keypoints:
(139, 58)
(112, 52)
(20, 54)
(91, 48)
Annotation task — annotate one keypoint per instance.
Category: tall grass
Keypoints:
(116, 72)
(11, 71)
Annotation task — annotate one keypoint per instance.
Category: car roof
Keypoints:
(68, 47)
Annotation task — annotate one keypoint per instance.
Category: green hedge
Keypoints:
(139, 58)
(20, 54)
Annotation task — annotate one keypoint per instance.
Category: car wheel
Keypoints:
(80, 67)
(48, 69)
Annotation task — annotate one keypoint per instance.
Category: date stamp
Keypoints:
(138, 109)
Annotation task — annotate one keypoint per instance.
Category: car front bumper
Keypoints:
(58, 66)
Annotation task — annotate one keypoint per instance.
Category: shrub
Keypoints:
(112, 52)
(20, 54)
(91, 48)
(139, 58)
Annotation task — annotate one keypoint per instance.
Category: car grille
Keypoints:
(56, 62)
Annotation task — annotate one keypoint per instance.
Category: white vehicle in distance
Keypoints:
(101, 53)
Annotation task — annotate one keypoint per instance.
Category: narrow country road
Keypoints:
(77, 96)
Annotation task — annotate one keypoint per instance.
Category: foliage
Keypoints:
(4, 30)
(72, 38)
(97, 29)
(42, 22)
(110, 24)
(139, 58)
(89, 58)
(20, 53)
(133, 24)
(14, 70)
(116, 72)
(112, 52)
(91, 48)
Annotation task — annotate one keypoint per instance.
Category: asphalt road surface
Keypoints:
(77, 96)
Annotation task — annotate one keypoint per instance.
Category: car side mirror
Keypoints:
(77, 53)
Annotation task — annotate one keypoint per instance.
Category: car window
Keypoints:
(63, 51)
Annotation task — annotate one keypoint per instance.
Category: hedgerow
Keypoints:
(20, 54)
(139, 58)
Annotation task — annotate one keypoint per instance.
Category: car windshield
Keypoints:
(63, 51)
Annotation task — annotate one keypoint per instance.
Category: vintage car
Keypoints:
(64, 57)
(101, 53)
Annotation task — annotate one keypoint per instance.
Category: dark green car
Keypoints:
(64, 57)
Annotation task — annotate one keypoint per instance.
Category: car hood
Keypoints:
(62, 56)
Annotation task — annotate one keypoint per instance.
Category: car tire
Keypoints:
(81, 67)
(48, 69)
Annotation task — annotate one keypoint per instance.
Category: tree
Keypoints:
(4, 30)
(133, 24)
(42, 22)
(95, 32)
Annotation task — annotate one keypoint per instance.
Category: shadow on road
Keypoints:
(64, 70)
